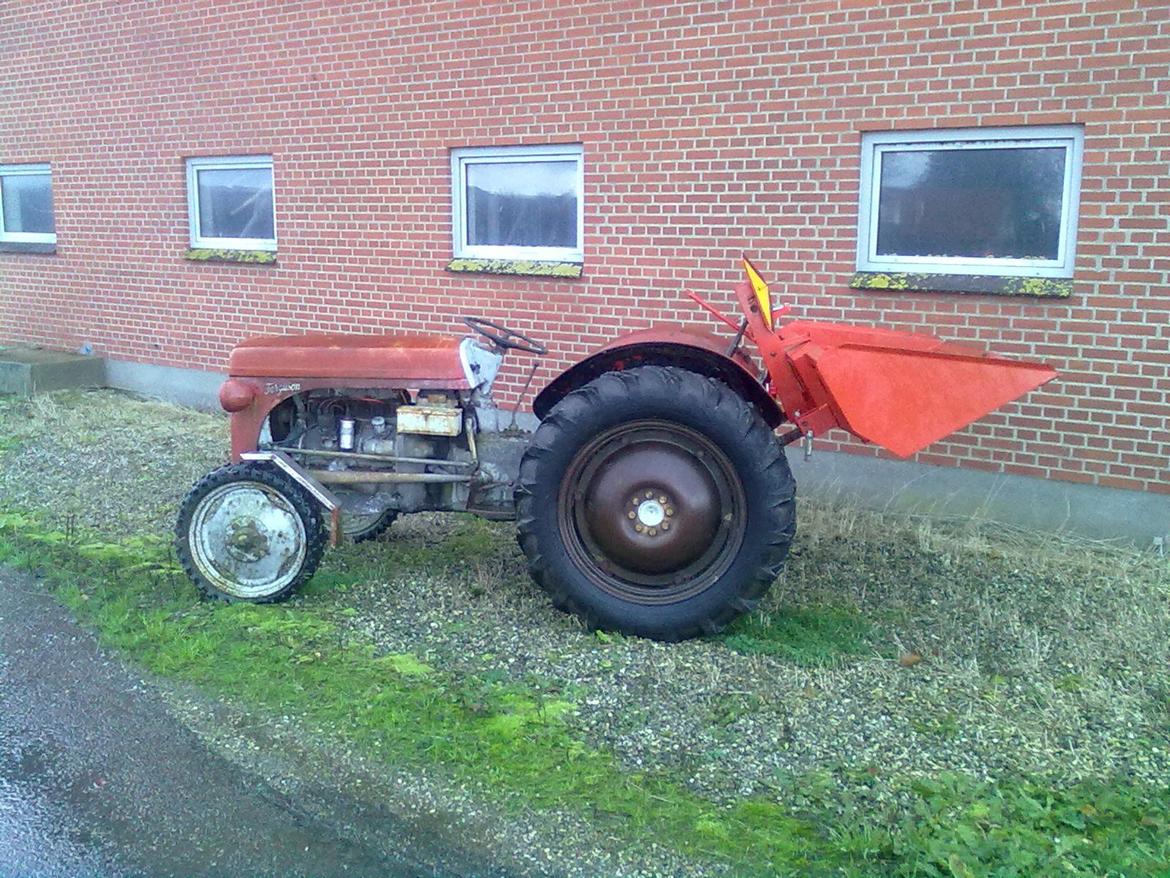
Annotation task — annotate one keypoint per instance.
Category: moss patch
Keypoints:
(255, 257)
(525, 267)
(1040, 287)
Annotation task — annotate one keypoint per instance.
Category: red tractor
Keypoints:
(654, 498)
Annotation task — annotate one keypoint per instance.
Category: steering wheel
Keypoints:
(505, 338)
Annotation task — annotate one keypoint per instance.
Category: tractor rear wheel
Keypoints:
(358, 527)
(655, 502)
(249, 533)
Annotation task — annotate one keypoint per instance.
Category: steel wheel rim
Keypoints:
(247, 539)
(658, 461)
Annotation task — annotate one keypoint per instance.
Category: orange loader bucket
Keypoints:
(903, 390)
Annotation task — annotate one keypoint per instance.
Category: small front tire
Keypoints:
(248, 532)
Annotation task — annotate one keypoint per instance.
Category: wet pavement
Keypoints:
(98, 780)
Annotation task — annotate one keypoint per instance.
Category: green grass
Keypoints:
(808, 636)
(508, 739)
(292, 660)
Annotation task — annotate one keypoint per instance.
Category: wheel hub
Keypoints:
(654, 511)
(246, 539)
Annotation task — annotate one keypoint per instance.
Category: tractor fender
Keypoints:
(690, 349)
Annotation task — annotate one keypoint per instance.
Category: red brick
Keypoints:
(708, 127)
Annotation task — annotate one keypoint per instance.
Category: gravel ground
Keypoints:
(736, 725)
(991, 652)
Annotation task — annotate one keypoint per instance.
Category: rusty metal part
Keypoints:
(377, 458)
(302, 477)
(505, 338)
(631, 468)
(246, 424)
(790, 436)
(429, 420)
(359, 477)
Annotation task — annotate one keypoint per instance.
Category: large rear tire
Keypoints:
(655, 502)
(249, 533)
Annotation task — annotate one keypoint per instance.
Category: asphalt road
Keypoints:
(98, 779)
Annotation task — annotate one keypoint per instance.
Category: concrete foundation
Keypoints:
(1035, 504)
(189, 387)
(25, 371)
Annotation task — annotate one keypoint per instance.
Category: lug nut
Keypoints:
(649, 494)
(666, 525)
(631, 515)
(635, 501)
(652, 532)
(670, 510)
(663, 500)
(639, 527)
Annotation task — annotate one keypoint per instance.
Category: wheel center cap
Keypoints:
(651, 513)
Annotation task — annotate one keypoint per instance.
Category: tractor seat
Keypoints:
(408, 360)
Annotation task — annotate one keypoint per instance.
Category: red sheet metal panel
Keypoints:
(406, 359)
(904, 398)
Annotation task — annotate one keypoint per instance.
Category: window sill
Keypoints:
(521, 267)
(27, 247)
(1037, 287)
(252, 257)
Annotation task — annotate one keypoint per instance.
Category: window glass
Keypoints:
(27, 201)
(1002, 203)
(235, 203)
(983, 201)
(526, 204)
(518, 202)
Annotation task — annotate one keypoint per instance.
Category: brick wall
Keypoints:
(709, 128)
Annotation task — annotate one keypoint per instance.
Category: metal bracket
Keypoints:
(318, 491)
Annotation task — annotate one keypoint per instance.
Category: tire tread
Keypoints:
(572, 416)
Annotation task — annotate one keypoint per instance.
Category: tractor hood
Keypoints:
(407, 360)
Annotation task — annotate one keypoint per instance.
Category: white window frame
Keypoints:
(28, 170)
(874, 145)
(464, 156)
(226, 163)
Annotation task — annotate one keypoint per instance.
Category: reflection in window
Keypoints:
(975, 202)
(522, 204)
(26, 204)
(518, 202)
(980, 202)
(236, 203)
(231, 202)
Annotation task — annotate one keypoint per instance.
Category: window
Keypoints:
(26, 204)
(988, 201)
(518, 202)
(229, 203)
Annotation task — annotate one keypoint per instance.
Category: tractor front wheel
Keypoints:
(656, 502)
(249, 533)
